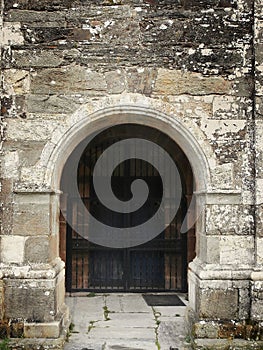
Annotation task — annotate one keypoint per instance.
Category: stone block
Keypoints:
(217, 303)
(244, 300)
(257, 301)
(217, 129)
(259, 105)
(11, 34)
(10, 167)
(257, 309)
(259, 191)
(31, 215)
(30, 300)
(37, 249)
(141, 80)
(222, 176)
(259, 250)
(37, 18)
(206, 330)
(115, 82)
(42, 330)
(213, 249)
(259, 218)
(209, 248)
(226, 344)
(52, 104)
(173, 82)
(41, 58)
(12, 249)
(228, 219)
(259, 8)
(192, 290)
(68, 80)
(29, 152)
(30, 129)
(16, 81)
(53, 246)
(60, 290)
(237, 250)
(230, 107)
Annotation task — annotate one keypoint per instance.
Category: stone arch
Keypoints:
(88, 123)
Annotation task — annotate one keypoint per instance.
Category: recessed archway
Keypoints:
(157, 265)
(90, 119)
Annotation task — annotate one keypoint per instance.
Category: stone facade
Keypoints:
(190, 68)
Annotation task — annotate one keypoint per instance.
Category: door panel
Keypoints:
(158, 265)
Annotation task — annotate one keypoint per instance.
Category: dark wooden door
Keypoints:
(158, 265)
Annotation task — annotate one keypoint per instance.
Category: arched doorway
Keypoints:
(158, 265)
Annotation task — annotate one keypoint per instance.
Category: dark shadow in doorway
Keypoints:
(163, 300)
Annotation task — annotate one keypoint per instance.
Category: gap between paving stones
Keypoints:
(124, 322)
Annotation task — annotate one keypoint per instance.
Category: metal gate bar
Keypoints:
(158, 265)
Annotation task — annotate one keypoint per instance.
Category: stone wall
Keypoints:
(257, 284)
(194, 61)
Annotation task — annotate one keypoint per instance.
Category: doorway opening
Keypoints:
(158, 265)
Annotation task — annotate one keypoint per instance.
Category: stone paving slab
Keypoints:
(171, 334)
(84, 346)
(83, 311)
(170, 311)
(124, 322)
(133, 345)
(143, 334)
(127, 303)
(128, 320)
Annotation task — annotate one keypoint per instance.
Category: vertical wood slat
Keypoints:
(143, 262)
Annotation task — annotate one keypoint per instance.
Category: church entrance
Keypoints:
(157, 265)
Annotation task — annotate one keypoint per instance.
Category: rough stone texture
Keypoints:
(137, 327)
(223, 344)
(31, 300)
(2, 299)
(198, 62)
(222, 304)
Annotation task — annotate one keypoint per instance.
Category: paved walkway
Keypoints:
(124, 322)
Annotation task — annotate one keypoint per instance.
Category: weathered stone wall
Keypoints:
(257, 284)
(195, 61)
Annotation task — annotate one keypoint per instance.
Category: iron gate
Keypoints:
(158, 265)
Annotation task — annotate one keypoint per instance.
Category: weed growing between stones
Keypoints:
(106, 313)
(4, 344)
(69, 332)
(91, 325)
(156, 315)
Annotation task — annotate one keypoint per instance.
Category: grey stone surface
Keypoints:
(128, 323)
(219, 303)
(37, 249)
(198, 65)
(30, 300)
